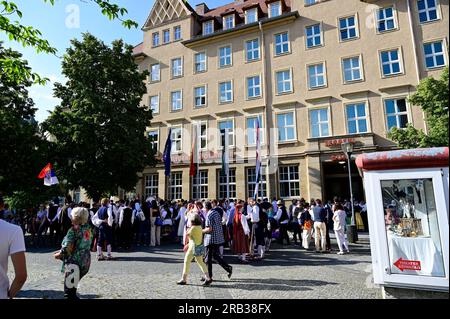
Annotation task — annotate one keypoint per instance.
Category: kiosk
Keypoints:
(408, 204)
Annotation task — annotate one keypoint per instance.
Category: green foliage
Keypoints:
(432, 96)
(99, 128)
(29, 36)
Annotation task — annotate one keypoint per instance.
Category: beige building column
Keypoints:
(314, 177)
(241, 183)
(304, 184)
(162, 186)
(187, 183)
(212, 182)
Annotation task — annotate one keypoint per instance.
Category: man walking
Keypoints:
(214, 238)
(320, 229)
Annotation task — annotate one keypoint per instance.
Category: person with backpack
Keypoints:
(282, 217)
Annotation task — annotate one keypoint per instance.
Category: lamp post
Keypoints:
(352, 234)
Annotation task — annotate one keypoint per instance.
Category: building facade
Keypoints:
(312, 73)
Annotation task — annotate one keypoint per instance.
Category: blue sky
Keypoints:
(59, 28)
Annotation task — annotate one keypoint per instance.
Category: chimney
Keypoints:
(201, 8)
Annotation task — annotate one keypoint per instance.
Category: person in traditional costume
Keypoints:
(241, 231)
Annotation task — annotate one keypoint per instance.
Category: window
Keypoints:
(177, 67)
(155, 73)
(155, 39)
(385, 19)
(151, 185)
(286, 127)
(251, 15)
(166, 36)
(275, 9)
(177, 33)
(200, 62)
(313, 36)
(289, 181)
(227, 124)
(251, 130)
(390, 62)
(177, 139)
(284, 81)
(347, 28)
(208, 27)
(176, 186)
(252, 50)
(225, 92)
(316, 75)
(231, 184)
(352, 69)
(176, 100)
(203, 135)
(434, 54)
(200, 185)
(281, 43)
(200, 96)
(251, 182)
(253, 87)
(319, 123)
(356, 118)
(396, 113)
(427, 10)
(228, 22)
(153, 137)
(225, 56)
(310, 2)
(154, 103)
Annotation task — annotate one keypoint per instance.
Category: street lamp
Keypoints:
(352, 234)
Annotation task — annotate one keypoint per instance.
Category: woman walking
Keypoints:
(195, 249)
(240, 244)
(339, 227)
(307, 225)
(75, 251)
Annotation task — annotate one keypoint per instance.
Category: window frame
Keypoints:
(166, 31)
(151, 73)
(178, 187)
(205, 62)
(407, 112)
(201, 183)
(219, 57)
(220, 93)
(247, 87)
(150, 103)
(280, 11)
(173, 76)
(329, 122)
(325, 85)
(147, 194)
(255, 9)
(291, 82)
(171, 100)
(158, 141)
(246, 41)
(262, 191)
(322, 38)
(233, 133)
(357, 33)
(400, 59)
(394, 16)
(366, 108)
(153, 39)
(444, 50)
(361, 69)
(254, 116)
(438, 12)
(224, 21)
(275, 44)
(175, 28)
(206, 96)
(209, 22)
(233, 184)
(172, 151)
(294, 126)
(289, 181)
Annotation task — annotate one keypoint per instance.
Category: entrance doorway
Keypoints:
(335, 181)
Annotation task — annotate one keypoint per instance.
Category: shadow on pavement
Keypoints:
(49, 294)
(273, 284)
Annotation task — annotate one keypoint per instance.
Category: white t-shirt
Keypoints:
(11, 242)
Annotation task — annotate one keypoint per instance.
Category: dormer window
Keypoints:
(275, 9)
(228, 22)
(251, 15)
(208, 27)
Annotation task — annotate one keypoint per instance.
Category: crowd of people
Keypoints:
(203, 228)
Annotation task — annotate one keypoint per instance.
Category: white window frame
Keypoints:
(357, 118)
(252, 50)
(156, 111)
(174, 149)
(255, 10)
(286, 127)
(226, 19)
(202, 62)
(284, 81)
(225, 57)
(172, 101)
(289, 181)
(151, 190)
(226, 92)
(231, 182)
(254, 87)
(281, 44)
(251, 131)
(444, 49)
(280, 9)
(206, 24)
(329, 122)
(324, 74)
(355, 16)
(361, 69)
(166, 32)
(397, 114)
(200, 185)
(201, 137)
(262, 190)
(205, 96)
(314, 36)
(156, 36)
(427, 9)
(232, 132)
(176, 185)
(158, 79)
(154, 142)
(377, 19)
(400, 61)
(177, 31)
(180, 67)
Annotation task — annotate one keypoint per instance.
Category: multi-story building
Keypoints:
(314, 72)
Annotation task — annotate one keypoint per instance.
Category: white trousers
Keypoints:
(341, 240)
(306, 238)
(155, 233)
(320, 235)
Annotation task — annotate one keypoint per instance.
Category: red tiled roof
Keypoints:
(138, 49)
(217, 12)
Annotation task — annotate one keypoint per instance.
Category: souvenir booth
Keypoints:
(407, 193)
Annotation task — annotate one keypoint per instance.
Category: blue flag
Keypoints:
(167, 152)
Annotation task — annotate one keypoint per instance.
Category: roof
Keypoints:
(139, 50)
(239, 7)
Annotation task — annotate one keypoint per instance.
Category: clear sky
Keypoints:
(59, 24)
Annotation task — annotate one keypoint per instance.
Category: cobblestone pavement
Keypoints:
(151, 273)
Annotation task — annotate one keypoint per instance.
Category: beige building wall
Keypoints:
(306, 152)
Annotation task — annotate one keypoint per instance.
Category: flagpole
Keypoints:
(227, 166)
(197, 135)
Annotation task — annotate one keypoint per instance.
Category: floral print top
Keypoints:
(76, 247)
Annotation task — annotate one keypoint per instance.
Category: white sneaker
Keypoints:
(340, 253)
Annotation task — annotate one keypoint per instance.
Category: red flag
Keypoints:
(45, 171)
(193, 166)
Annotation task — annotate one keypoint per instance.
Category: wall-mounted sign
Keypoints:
(339, 141)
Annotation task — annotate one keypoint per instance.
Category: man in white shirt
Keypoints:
(12, 244)
(257, 227)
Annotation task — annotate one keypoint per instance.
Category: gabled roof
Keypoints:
(167, 10)
(138, 50)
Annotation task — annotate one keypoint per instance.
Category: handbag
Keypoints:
(199, 250)
(158, 221)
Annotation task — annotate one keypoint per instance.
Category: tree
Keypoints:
(99, 128)
(13, 68)
(23, 148)
(432, 97)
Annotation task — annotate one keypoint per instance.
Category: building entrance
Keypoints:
(335, 181)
